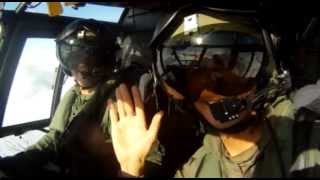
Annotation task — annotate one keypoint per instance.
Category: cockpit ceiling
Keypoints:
(258, 5)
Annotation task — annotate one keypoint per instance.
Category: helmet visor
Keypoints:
(226, 63)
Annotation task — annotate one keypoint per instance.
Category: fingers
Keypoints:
(120, 104)
(139, 106)
(155, 125)
(113, 113)
(126, 100)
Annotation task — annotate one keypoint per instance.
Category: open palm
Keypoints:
(132, 140)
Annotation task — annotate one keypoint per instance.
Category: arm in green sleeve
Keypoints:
(29, 162)
(47, 142)
(58, 123)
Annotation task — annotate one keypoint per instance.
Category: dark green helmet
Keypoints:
(83, 39)
(219, 57)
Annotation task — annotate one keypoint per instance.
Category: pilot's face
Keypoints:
(83, 74)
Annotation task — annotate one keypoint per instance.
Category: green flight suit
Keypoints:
(67, 118)
(70, 106)
(212, 160)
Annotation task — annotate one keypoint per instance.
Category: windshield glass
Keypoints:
(98, 12)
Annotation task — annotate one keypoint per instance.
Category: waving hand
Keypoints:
(132, 139)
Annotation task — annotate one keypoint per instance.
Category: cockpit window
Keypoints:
(32, 88)
(98, 12)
